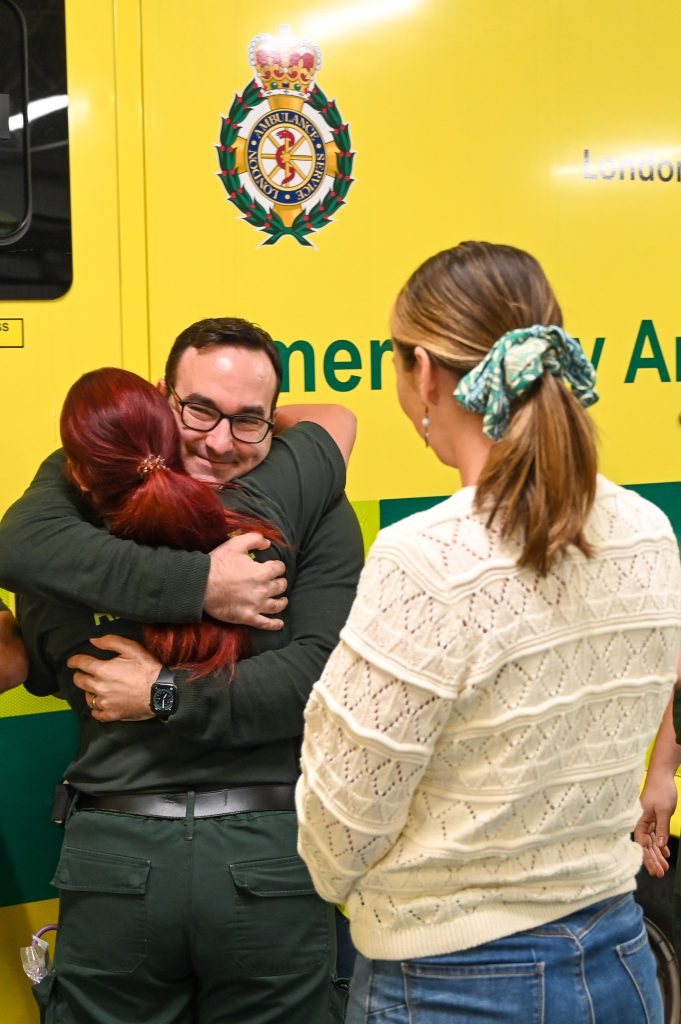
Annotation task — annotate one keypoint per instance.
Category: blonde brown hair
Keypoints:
(539, 480)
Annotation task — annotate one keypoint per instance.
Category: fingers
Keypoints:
(242, 590)
(654, 862)
(246, 542)
(269, 625)
(104, 708)
(103, 716)
(649, 835)
(84, 664)
(119, 644)
(94, 701)
(271, 573)
(83, 681)
(644, 830)
(662, 828)
(275, 569)
(87, 668)
(262, 620)
(278, 582)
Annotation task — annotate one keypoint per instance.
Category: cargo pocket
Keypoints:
(102, 917)
(283, 927)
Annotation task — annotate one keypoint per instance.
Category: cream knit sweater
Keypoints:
(474, 749)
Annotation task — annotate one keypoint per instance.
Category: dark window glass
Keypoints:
(35, 208)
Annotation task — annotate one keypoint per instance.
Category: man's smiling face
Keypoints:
(230, 380)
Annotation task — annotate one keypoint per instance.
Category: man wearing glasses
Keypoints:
(233, 931)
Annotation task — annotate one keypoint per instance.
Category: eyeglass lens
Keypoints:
(244, 428)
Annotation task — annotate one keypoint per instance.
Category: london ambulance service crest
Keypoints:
(284, 152)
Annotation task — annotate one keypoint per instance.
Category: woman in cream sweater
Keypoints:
(473, 750)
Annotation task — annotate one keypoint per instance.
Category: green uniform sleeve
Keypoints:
(265, 700)
(301, 478)
(48, 549)
(42, 676)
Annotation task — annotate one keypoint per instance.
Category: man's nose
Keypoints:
(220, 440)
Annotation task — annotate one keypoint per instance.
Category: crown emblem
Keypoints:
(283, 65)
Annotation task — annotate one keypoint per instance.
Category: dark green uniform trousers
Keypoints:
(195, 921)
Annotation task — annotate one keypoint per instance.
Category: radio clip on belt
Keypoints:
(63, 798)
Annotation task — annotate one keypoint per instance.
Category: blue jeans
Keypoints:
(593, 967)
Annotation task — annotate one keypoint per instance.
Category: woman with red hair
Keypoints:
(123, 450)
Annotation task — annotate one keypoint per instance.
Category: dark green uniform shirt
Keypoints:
(223, 734)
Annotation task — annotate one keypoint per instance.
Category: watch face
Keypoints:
(164, 700)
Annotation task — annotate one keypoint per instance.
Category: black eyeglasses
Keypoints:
(243, 426)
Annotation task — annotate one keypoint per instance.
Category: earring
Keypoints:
(425, 423)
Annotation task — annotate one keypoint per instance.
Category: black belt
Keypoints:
(206, 805)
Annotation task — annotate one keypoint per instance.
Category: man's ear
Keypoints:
(162, 387)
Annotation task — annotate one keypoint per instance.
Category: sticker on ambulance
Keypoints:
(285, 153)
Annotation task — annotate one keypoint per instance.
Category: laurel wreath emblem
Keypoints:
(254, 212)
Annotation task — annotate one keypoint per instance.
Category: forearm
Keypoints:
(13, 657)
(666, 754)
(89, 566)
(265, 700)
(659, 798)
(263, 703)
(338, 421)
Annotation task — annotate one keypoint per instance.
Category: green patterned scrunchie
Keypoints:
(511, 367)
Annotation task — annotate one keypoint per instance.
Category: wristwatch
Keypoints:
(164, 695)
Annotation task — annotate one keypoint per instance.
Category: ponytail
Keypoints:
(488, 314)
(539, 480)
(172, 508)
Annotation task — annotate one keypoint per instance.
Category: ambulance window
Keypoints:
(35, 208)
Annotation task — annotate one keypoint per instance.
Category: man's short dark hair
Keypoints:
(225, 330)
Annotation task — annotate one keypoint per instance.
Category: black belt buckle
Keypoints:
(63, 797)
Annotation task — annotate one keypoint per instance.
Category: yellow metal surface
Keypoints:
(468, 120)
(130, 173)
